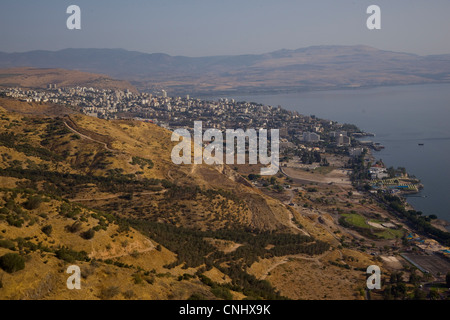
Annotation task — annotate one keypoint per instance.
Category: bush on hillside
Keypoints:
(12, 262)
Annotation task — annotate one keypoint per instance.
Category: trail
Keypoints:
(134, 247)
(291, 216)
(113, 196)
(88, 138)
(297, 256)
(269, 269)
(169, 175)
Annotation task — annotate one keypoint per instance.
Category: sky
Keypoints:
(224, 27)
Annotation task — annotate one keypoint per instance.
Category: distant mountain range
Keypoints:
(312, 68)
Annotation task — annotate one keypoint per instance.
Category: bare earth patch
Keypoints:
(337, 176)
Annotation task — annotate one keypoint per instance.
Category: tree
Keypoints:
(252, 176)
(47, 230)
(32, 203)
(74, 227)
(89, 234)
(434, 295)
(12, 262)
(109, 293)
(414, 278)
(447, 279)
(419, 294)
(221, 292)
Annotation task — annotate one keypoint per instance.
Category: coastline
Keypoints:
(439, 223)
(382, 111)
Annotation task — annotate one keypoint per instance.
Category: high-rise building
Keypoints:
(342, 140)
(311, 137)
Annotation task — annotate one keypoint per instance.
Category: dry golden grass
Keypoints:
(306, 279)
(44, 275)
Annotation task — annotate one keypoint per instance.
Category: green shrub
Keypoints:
(70, 255)
(14, 221)
(137, 278)
(109, 293)
(222, 293)
(74, 227)
(47, 230)
(197, 296)
(89, 234)
(129, 294)
(8, 244)
(32, 203)
(12, 262)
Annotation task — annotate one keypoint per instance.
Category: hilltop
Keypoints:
(312, 68)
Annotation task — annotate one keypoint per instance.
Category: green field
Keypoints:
(377, 221)
(390, 234)
(356, 220)
(359, 221)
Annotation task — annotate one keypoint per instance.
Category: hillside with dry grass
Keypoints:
(104, 195)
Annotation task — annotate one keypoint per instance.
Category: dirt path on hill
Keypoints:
(89, 138)
(136, 247)
(291, 216)
(113, 196)
(297, 256)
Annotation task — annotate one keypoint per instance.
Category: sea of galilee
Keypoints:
(401, 117)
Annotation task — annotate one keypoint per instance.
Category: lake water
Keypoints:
(401, 117)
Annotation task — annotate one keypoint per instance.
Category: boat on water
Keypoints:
(420, 144)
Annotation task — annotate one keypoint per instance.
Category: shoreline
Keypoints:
(440, 223)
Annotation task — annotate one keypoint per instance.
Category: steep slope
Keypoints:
(138, 154)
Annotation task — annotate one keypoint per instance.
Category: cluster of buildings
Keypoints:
(355, 152)
(95, 102)
(378, 172)
(428, 245)
(179, 112)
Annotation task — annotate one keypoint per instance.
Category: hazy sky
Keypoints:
(217, 27)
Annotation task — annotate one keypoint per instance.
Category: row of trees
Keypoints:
(60, 184)
(420, 223)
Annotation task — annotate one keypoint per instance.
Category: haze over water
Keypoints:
(401, 117)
